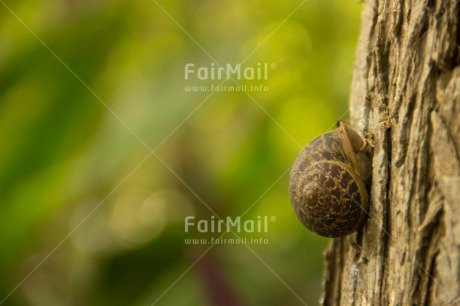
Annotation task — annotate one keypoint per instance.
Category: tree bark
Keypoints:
(405, 99)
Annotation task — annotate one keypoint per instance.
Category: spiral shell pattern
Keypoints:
(327, 194)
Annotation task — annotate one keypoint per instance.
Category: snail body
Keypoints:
(328, 181)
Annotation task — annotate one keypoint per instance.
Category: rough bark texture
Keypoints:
(405, 98)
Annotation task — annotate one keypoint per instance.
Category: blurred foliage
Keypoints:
(88, 216)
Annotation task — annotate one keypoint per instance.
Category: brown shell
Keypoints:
(326, 185)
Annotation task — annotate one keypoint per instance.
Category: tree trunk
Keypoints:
(405, 99)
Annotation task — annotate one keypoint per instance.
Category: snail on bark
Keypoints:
(328, 182)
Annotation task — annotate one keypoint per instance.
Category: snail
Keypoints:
(328, 182)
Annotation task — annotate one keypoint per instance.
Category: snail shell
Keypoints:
(328, 182)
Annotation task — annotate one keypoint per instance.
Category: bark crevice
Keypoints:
(405, 98)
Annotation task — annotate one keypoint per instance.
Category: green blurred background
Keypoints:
(89, 216)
